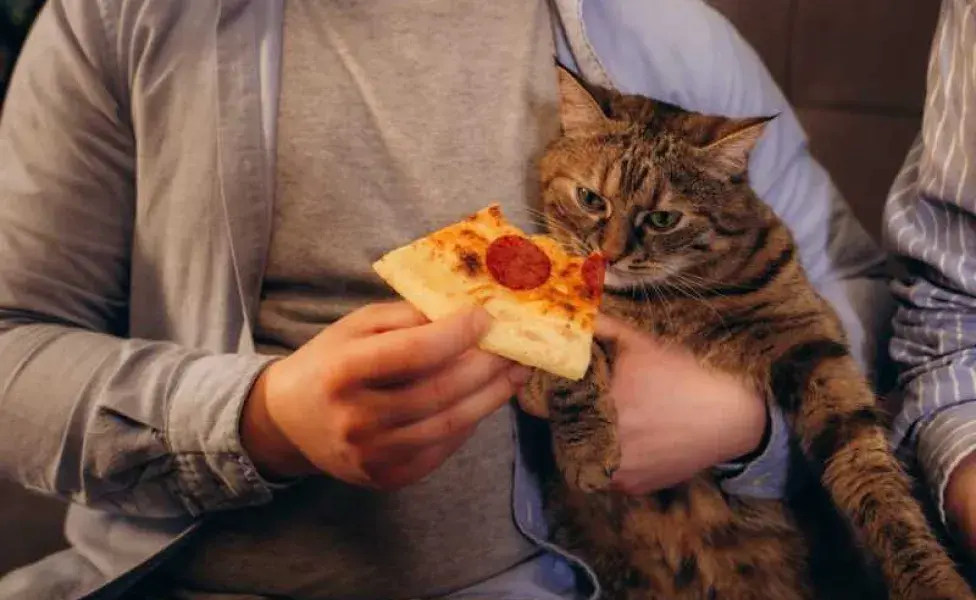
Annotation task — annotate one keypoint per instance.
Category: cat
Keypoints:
(664, 194)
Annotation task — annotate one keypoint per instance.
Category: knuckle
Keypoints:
(368, 311)
(379, 466)
(507, 389)
(335, 371)
(447, 425)
(439, 390)
(350, 425)
(512, 385)
(330, 382)
(420, 349)
(377, 476)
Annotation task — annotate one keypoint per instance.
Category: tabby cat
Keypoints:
(665, 195)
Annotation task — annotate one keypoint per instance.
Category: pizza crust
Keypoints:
(519, 333)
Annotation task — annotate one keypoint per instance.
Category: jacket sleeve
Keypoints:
(930, 222)
(135, 426)
(644, 47)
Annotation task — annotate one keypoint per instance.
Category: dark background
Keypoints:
(16, 17)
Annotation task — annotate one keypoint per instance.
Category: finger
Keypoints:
(431, 394)
(618, 338)
(405, 353)
(612, 329)
(380, 318)
(463, 415)
(637, 484)
(420, 465)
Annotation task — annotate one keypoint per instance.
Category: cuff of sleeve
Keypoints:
(943, 443)
(765, 476)
(213, 472)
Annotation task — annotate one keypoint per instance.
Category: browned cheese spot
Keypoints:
(472, 236)
(469, 262)
(496, 213)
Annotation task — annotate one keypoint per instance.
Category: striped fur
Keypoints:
(725, 283)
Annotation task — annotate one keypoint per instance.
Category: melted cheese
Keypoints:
(549, 327)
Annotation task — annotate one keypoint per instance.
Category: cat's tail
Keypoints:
(841, 430)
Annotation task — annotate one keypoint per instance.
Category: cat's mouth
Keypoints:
(617, 279)
(623, 276)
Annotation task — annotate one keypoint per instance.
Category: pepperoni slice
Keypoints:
(517, 263)
(594, 269)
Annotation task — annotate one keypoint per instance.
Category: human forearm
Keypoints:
(137, 426)
(140, 427)
(945, 443)
(274, 455)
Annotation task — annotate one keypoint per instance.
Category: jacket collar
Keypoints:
(571, 37)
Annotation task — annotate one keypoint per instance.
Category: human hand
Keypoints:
(378, 399)
(960, 502)
(675, 418)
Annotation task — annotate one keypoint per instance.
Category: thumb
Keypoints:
(407, 353)
(612, 329)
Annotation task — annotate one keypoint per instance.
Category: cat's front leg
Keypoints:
(583, 423)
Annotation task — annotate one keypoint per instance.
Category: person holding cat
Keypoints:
(195, 354)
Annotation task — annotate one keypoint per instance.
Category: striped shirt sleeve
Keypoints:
(930, 223)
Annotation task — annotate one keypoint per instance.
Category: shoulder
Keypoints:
(681, 51)
(686, 53)
(114, 38)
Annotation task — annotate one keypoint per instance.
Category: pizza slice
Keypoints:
(544, 301)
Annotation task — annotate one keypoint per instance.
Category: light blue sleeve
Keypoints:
(647, 47)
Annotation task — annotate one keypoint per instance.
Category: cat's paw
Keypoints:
(589, 477)
(950, 585)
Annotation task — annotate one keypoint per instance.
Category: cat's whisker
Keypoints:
(542, 219)
(663, 299)
(711, 284)
(548, 222)
(688, 288)
(566, 238)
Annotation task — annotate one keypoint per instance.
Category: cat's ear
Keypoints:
(578, 109)
(728, 156)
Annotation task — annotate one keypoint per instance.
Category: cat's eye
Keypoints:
(663, 219)
(590, 200)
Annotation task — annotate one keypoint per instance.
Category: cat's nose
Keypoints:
(616, 242)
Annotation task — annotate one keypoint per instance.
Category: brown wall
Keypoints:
(855, 71)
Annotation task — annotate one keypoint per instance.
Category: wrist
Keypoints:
(752, 448)
(747, 433)
(267, 446)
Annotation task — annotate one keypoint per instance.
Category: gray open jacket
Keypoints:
(136, 174)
